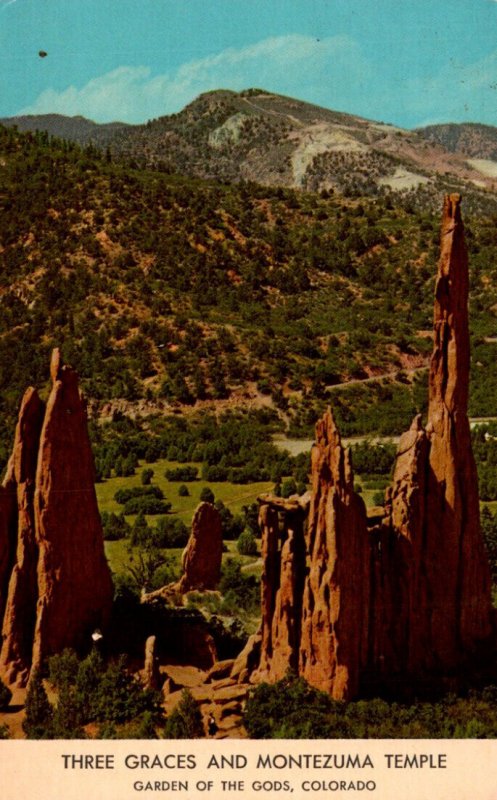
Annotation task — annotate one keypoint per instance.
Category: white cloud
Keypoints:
(319, 70)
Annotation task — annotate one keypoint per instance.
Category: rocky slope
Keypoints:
(467, 138)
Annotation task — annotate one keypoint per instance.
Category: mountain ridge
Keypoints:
(256, 135)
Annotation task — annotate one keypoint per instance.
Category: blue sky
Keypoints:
(408, 62)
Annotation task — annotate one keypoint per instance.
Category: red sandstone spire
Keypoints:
(58, 587)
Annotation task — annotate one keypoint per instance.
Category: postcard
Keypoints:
(248, 395)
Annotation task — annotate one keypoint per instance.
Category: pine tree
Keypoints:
(38, 722)
(68, 716)
(185, 722)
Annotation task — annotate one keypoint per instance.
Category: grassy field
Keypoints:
(234, 496)
(120, 556)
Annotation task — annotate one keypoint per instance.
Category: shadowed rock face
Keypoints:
(315, 617)
(333, 647)
(21, 595)
(452, 465)
(434, 508)
(282, 585)
(59, 585)
(201, 559)
(405, 600)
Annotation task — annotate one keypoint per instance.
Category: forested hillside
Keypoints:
(172, 293)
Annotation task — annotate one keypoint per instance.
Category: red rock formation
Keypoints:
(151, 677)
(335, 616)
(405, 600)
(270, 579)
(59, 585)
(281, 586)
(398, 591)
(74, 583)
(201, 559)
(20, 612)
(435, 504)
(454, 522)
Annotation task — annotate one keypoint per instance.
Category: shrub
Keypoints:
(247, 544)
(141, 728)
(140, 532)
(120, 697)
(489, 531)
(185, 722)
(379, 498)
(186, 474)
(63, 668)
(146, 567)
(183, 491)
(207, 495)
(232, 525)
(377, 458)
(38, 721)
(96, 692)
(170, 532)
(250, 473)
(251, 518)
(215, 473)
(122, 496)
(114, 526)
(288, 487)
(240, 591)
(4, 732)
(146, 505)
(146, 476)
(5, 695)
(275, 711)
(68, 716)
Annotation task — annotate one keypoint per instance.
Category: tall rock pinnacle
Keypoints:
(432, 567)
(20, 612)
(333, 647)
(201, 559)
(403, 600)
(282, 584)
(457, 566)
(59, 587)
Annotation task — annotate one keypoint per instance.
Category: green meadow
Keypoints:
(234, 496)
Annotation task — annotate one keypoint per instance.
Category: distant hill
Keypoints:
(273, 140)
(468, 138)
(75, 129)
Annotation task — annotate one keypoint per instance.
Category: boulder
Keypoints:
(201, 559)
(248, 659)
(220, 670)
